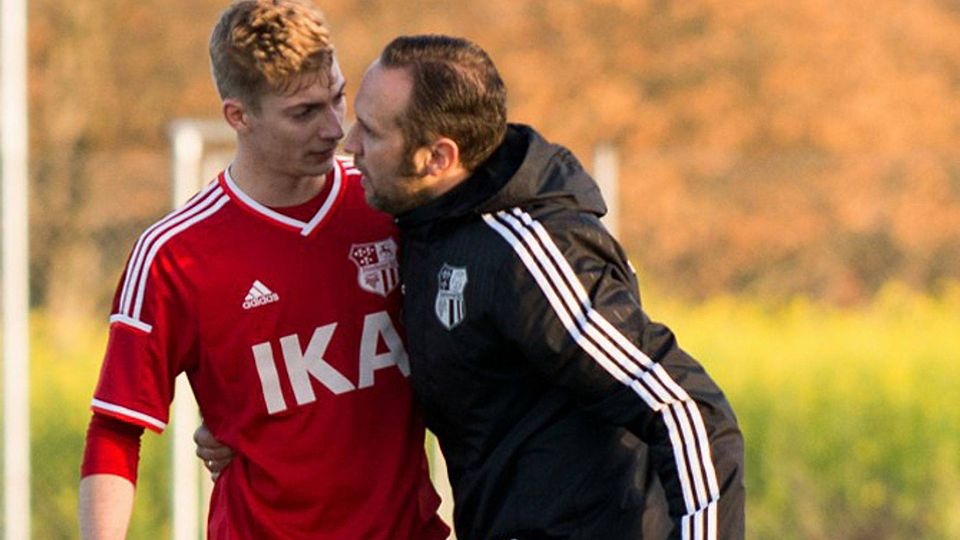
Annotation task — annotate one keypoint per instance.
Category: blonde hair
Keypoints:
(260, 46)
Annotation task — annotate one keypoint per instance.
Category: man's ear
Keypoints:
(444, 157)
(236, 114)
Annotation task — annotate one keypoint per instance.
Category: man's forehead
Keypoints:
(392, 76)
(380, 101)
(387, 89)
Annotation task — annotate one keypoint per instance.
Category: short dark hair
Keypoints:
(457, 93)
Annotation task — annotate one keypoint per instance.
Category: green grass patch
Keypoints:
(850, 417)
(65, 364)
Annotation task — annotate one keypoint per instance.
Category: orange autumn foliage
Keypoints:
(768, 148)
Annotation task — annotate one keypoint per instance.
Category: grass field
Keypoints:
(851, 417)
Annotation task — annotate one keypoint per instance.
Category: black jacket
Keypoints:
(553, 396)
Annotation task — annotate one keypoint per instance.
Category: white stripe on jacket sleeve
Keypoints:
(616, 354)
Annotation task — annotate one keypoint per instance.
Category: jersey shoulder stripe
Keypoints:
(200, 207)
(349, 166)
(147, 238)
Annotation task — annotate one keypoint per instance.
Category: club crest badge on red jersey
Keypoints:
(449, 306)
(377, 268)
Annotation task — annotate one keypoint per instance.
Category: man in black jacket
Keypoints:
(560, 407)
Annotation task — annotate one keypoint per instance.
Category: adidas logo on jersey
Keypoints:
(259, 295)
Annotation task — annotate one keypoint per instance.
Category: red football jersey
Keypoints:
(289, 334)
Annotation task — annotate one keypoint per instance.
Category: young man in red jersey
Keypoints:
(275, 289)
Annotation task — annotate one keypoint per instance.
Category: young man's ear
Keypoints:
(236, 114)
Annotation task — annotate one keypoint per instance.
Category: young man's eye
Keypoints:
(301, 114)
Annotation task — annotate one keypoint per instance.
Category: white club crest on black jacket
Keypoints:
(562, 410)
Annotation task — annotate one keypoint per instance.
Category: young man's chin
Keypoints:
(316, 165)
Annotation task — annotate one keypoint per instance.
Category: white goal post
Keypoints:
(15, 289)
(200, 149)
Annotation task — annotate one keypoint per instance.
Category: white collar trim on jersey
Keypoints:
(305, 228)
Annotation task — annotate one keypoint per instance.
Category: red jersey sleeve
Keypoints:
(153, 335)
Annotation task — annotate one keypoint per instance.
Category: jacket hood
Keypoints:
(548, 174)
(525, 170)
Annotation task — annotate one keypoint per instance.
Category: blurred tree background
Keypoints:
(790, 182)
(768, 148)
